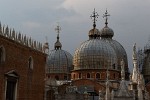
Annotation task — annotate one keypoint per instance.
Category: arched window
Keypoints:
(80, 75)
(30, 63)
(97, 75)
(2, 54)
(88, 75)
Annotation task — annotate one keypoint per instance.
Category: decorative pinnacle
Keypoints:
(106, 16)
(94, 15)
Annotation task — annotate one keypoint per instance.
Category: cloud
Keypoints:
(31, 25)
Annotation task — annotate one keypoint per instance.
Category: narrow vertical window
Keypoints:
(2, 54)
(74, 76)
(30, 63)
(88, 75)
(97, 75)
(79, 75)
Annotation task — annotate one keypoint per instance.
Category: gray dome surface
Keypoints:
(59, 61)
(94, 54)
(120, 51)
(107, 32)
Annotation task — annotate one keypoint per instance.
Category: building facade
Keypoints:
(22, 67)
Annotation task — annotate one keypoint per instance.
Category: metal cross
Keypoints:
(58, 28)
(95, 15)
(106, 16)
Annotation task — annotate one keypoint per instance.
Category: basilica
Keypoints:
(98, 69)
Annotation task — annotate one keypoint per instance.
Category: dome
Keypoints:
(93, 33)
(94, 54)
(120, 51)
(107, 32)
(59, 61)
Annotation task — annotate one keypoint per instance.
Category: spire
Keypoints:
(140, 94)
(106, 17)
(58, 44)
(107, 96)
(46, 46)
(123, 89)
(94, 16)
(135, 67)
(122, 70)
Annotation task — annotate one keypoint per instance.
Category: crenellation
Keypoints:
(20, 38)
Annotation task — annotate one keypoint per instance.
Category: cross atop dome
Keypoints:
(94, 16)
(106, 17)
(58, 28)
(58, 44)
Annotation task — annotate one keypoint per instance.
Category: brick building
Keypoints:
(22, 67)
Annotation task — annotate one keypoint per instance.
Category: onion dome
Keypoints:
(59, 61)
(106, 35)
(94, 53)
(106, 32)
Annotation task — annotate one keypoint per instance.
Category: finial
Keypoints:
(58, 28)
(122, 70)
(58, 44)
(134, 52)
(106, 17)
(94, 15)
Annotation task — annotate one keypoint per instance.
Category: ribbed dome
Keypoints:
(59, 61)
(94, 54)
(120, 51)
(107, 32)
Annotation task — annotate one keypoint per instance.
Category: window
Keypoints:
(88, 75)
(2, 54)
(30, 63)
(79, 75)
(97, 75)
(74, 76)
(114, 66)
(114, 75)
(11, 85)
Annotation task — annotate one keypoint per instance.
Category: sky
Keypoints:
(129, 20)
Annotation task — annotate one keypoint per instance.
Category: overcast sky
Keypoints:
(130, 20)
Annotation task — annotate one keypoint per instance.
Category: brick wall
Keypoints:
(31, 81)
